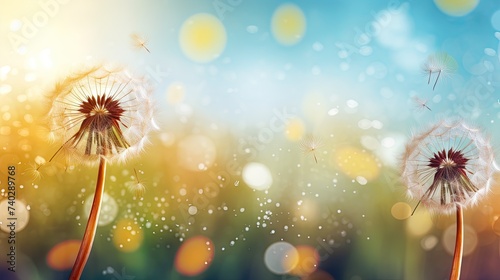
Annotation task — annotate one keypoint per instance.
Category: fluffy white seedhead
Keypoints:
(101, 112)
(447, 165)
(441, 65)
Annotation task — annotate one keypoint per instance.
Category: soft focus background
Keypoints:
(281, 130)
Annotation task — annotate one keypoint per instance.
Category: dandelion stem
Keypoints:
(459, 245)
(90, 229)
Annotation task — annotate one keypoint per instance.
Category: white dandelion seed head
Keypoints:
(103, 112)
(310, 143)
(447, 165)
(440, 62)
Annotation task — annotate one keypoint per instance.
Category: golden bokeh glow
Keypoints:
(202, 37)
(194, 256)
(456, 8)
(355, 162)
(419, 224)
(127, 236)
(294, 129)
(288, 24)
(307, 260)
(401, 210)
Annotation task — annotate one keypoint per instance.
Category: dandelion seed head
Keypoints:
(310, 144)
(440, 61)
(101, 112)
(420, 104)
(447, 165)
(137, 188)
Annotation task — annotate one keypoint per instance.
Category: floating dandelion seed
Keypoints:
(421, 103)
(34, 169)
(311, 144)
(100, 115)
(441, 63)
(139, 42)
(447, 168)
(136, 187)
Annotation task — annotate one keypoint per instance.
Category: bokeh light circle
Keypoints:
(288, 24)
(22, 215)
(495, 20)
(429, 242)
(470, 239)
(419, 224)
(175, 93)
(108, 212)
(196, 152)
(456, 8)
(401, 210)
(127, 235)
(202, 37)
(194, 256)
(355, 162)
(308, 260)
(496, 226)
(257, 176)
(281, 257)
(63, 255)
(294, 129)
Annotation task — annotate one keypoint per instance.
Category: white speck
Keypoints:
(252, 29)
(489, 51)
(365, 124)
(377, 124)
(361, 180)
(351, 103)
(192, 210)
(317, 46)
(333, 111)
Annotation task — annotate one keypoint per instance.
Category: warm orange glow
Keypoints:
(194, 256)
(308, 259)
(63, 255)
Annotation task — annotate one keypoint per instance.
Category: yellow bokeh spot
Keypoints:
(419, 224)
(202, 37)
(307, 261)
(401, 211)
(294, 129)
(288, 24)
(456, 8)
(356, 163)
(127, 236)
(194, 256)
(175, 93)
(63, 255)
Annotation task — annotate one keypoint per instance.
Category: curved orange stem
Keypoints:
(459, 245)
(90, 229)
